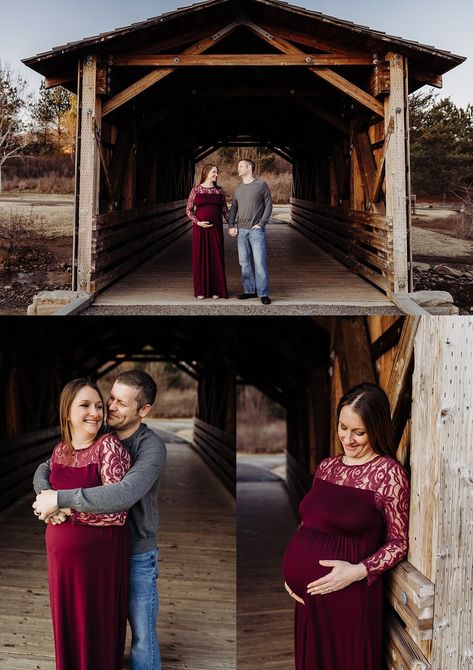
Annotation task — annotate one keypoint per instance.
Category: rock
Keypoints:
(431, 298)
(444, 310)
(446, 270)
(48, 302)
(422, 267)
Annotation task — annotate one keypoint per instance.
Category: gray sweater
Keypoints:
(252, 205)
(137, 491)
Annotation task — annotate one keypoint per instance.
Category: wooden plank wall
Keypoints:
(442, 466)
(19, 458)
(123, 240)
(218, 449)
(363, 241)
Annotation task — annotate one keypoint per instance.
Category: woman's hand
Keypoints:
(293, 595)
(342, 575)
(205, 224)
(59, 517)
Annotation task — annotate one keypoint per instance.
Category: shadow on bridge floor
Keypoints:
(304, 280)
(265, 522)
(196, 567)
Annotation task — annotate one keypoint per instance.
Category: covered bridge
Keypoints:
(329, 96)
(425, 367)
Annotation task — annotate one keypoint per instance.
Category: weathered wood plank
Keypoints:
(442, 507)
(238, 60)
(412, 596)
(395, 171)
(157, 75)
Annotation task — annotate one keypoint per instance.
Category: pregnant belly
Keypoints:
(306, 548)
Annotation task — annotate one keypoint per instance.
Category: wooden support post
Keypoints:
(89, 181)
(441, 537)
(395, 167)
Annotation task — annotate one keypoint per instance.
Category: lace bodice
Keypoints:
(388, 481)
(112, 461)
(216, 190)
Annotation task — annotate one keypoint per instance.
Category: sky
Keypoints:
(29, 27)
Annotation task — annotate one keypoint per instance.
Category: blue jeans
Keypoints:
(252, 257)
(143, 605)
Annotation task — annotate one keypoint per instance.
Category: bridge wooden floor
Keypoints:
(304, 280)
(265, 522)
(196, 575)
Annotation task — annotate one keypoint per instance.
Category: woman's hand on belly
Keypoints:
(342, 575)
(293, 595)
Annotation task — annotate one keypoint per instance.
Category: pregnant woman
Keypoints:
(205, 207)
(88, 555)
(353, 528)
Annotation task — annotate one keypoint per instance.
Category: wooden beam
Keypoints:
(426, 77)
(378, 178)
(324, 114)
(89, 179)
(412, 596)
(366, 161)
(237, 60)
(157, 75)
(400, 650)
(441, 509)
(309, 41)
(396, 179)
(328, 75)
(51, 82)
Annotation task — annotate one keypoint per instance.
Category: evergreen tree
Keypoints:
(441, 144)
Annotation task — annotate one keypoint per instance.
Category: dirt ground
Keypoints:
(435, 241)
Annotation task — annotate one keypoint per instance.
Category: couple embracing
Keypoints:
(98, 496)
(247, 219)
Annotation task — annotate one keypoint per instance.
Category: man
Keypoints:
(249, 214)
(130, 401)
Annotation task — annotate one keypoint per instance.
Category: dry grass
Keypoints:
(265, 438)
(261, 424)
(177, 392)
(52, 183)
(280, 185)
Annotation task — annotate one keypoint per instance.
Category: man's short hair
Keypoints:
(142, 381)
(250, 163)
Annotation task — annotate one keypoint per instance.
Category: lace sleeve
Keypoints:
(393, 498)
(225, 210)
(114, 464)
(190, 206)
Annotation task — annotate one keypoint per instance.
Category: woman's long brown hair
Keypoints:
(68, 393)
(205, 171)
(371, 403)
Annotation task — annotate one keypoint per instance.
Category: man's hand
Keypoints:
(233, 232)
(256, 227)
(45, 504)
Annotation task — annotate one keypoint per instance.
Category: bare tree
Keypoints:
(14, 103)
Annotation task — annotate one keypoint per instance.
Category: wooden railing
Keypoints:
(361, 240)
(411, 596)
(19, 458)
(218, 449)
(123, 240)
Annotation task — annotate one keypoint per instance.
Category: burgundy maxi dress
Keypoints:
(354, 513)
(208, 259)
(88, 562)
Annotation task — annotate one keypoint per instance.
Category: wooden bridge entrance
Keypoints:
(304, 280)
(327, 95)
